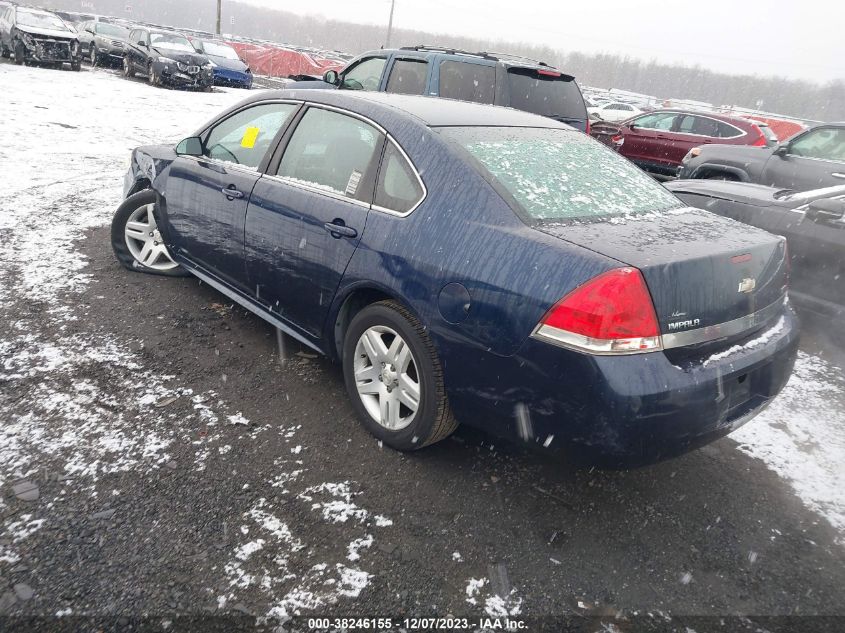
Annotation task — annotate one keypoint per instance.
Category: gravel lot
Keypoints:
(158, 460)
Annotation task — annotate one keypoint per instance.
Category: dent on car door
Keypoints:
(813, 160)
(306, 217)
(207, 195)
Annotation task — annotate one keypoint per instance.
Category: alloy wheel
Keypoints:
(386, 377)
(144, 240)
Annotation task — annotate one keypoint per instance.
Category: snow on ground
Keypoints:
(801, 436)
(65, 140)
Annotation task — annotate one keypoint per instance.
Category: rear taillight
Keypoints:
(610, 314)
(617, 140)
(760, 142)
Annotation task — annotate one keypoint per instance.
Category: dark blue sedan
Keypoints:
(229, 68)
(472, 263)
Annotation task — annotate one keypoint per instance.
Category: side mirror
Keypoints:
(331, 77)
(191, 146)
(826, 210)
(782, 150)
(142, 44)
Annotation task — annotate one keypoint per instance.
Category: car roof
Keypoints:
(432, 111)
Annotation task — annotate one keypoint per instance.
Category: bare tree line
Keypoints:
(792, 97)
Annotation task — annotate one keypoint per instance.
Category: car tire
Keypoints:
(93, 56)
(128, 71)
(20, 53)
(134, 229)
(152, 77)
(387, 356)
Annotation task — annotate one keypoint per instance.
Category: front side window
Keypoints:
(467, 82)
(407, 77)
(398, 188)
(245, 137)
(656, 121)
(332, 152)
(556, 175)
(825, 144)
(366, 75)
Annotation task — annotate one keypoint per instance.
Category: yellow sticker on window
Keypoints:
(250, 136)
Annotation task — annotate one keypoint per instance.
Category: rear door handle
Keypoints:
(231, 193)
(838, 175)
(340, 230)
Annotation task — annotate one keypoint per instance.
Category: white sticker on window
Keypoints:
(352, 185)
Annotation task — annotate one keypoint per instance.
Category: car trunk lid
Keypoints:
(701, 270)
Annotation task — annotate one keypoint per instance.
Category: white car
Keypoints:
(613, 111)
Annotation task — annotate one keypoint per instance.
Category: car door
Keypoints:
(135, 49)
(645, 136)
(306, 216)
(365, 74)
(207, 195)
(812, 160)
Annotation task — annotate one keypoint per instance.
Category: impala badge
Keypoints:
(747, 285)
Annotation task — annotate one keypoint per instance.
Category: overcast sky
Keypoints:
(796, 38)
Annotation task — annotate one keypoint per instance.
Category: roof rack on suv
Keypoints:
(482, 54)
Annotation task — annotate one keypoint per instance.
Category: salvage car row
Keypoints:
(163, 56)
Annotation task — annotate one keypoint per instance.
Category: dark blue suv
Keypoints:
(491, 78)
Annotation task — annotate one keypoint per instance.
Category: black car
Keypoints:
(166, 58)
(492, 78)
(809, 160)
(38, 37)
(811, 221)
(103, 42)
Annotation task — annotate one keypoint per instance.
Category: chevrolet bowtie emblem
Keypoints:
(747, 285)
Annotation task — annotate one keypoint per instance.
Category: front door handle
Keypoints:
(338, 230)
(838, 175)
(231, 193)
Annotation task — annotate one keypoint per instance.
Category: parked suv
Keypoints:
(103, 42)
(491, 78)
(809, 160)
(166, 57)
(38, 37)
(659, 140)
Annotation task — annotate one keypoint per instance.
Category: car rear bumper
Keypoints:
(636, 409)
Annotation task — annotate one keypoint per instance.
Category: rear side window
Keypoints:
(407, 77)
(545, 92)
(332, 152)
(555, 174)
(398, 188)
(245, 137)
(467, 82)
(705, 126)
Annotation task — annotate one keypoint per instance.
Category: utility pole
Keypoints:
(219, 10)
(390, 23)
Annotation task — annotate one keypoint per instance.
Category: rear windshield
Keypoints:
(561, 174)
(545, 92)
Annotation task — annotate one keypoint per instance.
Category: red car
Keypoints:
(658, 141)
